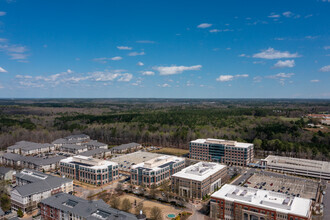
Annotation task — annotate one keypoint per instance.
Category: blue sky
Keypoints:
(165, 49)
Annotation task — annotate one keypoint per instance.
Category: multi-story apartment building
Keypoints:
(31, 162)
(29, 148)
(33, 186)
(223, 151)
(68, 207)
(302, 167)
(156, 170)
(89, 170)
(235, 202)
(199, 179)
(73, 148)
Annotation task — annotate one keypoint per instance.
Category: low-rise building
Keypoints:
(2, 214)
(93, 144)
(73, 148)
(156, 171)
(297, 166)
(222, 151)
(89, 170)
(199, 179)
(98, 153)
(30, 148)
(124, 148)
(33, 186)
(6, 173)
(66, 206)
(31, 162)
(235, 202)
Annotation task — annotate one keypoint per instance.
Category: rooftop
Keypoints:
(89, 162)
(73, 146)
(89, 210)
(39, 161)
(4, 170)
(199, 171)
(222, 142)
(27, 145)
(126, 146)
(39, 182)
(297, 163)
(266, 199)
(94, 152)
(158, 162)
(77, 136)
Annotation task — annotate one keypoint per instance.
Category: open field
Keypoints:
(171, 151)
(147, 205)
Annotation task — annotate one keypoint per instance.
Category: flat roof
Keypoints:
(297, 163)
(89, 162)
(158, 162)
(223, 142)
(199, 171)
(265, 199)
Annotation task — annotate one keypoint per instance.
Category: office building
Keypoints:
(199, 179)
(89, 170)
(235, 202)
(222, 151)
(156, 170)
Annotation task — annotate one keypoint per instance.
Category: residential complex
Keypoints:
(296, 166)
(235, 202)
(6, 173)
(29, 148)
(222, 151)
(156, 170)
(73, 148)
(66, 206)
(31, 162)
(199, 179)
(33, 186)
(98, 153)
(89, 170)
(124, 148)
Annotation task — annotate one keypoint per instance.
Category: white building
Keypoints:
(235, 202)
(156, 170)
(33, 186)
(199, 179)
(89, 170)
(296, 166)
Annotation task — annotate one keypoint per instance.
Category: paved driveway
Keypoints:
(326, 202)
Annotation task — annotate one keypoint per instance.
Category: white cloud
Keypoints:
(171, 70)
(270, 53)
(14, 51)
(2, 13)
(325, 69)
(2, 70)
(1, 87)
(287, 14)
(140, 63)
(281, 77)
(204, 25)
(225, 78)
(315, 80)
(124, 48)
(132, 54)
(311, 37)
(148, 73)
(273, 15)
(257, 79)
(105, 59)
(2, 40)
(126, 77)
(23, 77)
(215, 30)
(284, 63)
(164, 85)
(327, 47)
(69, 71)
(145, 42)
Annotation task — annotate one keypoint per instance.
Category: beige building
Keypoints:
(199, 179)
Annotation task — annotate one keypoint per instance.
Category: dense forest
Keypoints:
(274, 126)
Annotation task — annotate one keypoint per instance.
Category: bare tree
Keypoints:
(156, 213)
(126, 205)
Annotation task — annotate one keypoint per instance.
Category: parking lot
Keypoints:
(289, 185)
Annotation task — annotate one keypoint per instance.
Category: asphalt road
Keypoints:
(244, 176)
(326, 202)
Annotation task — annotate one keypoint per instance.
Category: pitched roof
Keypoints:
(27, 145)
(126, 146)
(87, 209)
(73, 146)
(33, 160)
(4, 170)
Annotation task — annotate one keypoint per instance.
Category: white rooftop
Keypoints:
(311, 165)
(89, 162)
(266, 199)
(199, 171)
(222, 141)
(158, 162)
